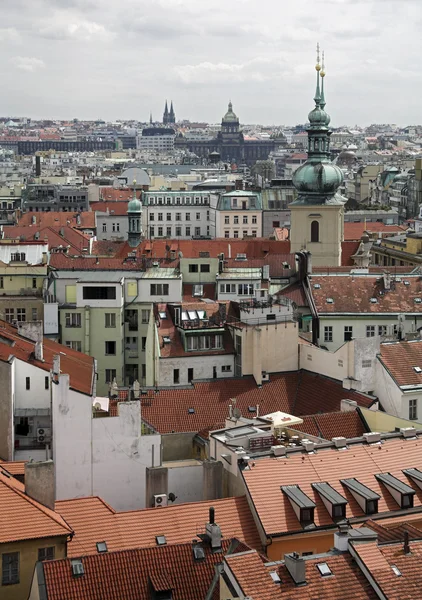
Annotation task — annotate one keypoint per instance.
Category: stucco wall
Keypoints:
(186, 482)
(275, 346)
(203, 368)
(6, 411)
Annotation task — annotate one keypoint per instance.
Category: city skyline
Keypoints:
(67, 59)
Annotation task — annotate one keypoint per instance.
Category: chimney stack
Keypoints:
(406, 546)
(39, 482)
(33, 330)
(213, 531)
(387, 281)
(296, 567)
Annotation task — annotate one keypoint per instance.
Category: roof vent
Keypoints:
(330, 301)
(275, 577)
(372, 437)
(77, 567)
(241, 256)
(317, 286)
(406, 282)
(417, 369)
(340, 442)
(191, 411)
(418, 300)
(155, 263)
(408, 432)
(160, 540)
(373, 300)
(308, 445)
(396, 570)
(166, 339)
(198, 552)
(279, 450)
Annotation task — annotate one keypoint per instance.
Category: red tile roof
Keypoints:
(79, 366)
(116, 195)
(399, 358)
(114, 208)
(15, 467)
(274, 261)
(353, 293)
(298, 393)
(255, 581)
(56, 236)
(94, 521)
(394, 533)
(22, 518)
(348, 249)
(362, 461)
(295, 293)
(346, 424)
(129, 574)
(354, 231)
(59, 219)
(105, 248)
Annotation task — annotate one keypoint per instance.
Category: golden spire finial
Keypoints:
(322, 66)
(317, 66)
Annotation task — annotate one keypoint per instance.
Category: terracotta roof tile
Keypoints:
(346, 424)
(394, 533)
(47, 219)
(295, 293)
(361, 461)
(354, 231)
(56, 236)
(399, 358)
(348, 249)
(114, 208)
(353, 293)
(14, 467)
(94, 521)
(22, 518)
(116, 195)
(255, 580)
(298, 393)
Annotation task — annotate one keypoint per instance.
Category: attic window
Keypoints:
(396, 570)
(417, 369)
(317, 286)
(324, 569)
(364, 496)
(418, 300)
(275, 577)
(162, 315)
(330, 301)
(198, 552)
(406, 282)
(101, 547)
(77, 567)
(166, 339)
(191, 411)
(373, 300)
(160, 540)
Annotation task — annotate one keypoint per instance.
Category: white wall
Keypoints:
(186, 482)
(202, 368)
(37, 396)
(175, 289)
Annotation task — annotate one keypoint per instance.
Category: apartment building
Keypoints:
(238, 214)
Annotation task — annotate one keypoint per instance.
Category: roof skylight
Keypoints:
(324, 569)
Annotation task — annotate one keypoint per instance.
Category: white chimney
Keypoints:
(387, 280)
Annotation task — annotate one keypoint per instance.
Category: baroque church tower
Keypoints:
(317, 215)
(134, 214)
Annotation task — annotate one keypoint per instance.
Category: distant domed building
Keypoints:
(347, 156)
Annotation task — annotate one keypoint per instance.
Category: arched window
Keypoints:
(314, 231)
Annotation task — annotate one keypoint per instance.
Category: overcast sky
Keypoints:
(122, 58)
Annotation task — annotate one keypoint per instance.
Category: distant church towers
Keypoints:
(169, 117)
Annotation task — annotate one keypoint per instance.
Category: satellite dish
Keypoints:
(236, 413)
(97, 406)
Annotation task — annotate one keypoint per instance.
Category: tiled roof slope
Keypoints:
(253, 576)
(117, 209)
(354, 231)
(15, 467)
(55, 236)
(22, 518)
(328, 425)
(379, 560)
(115, 195)
(348, 249)
(353, 293)
(94, 521)
(362, 461)
(59, 219)
(126, 575)
(394, 533)
(79, 366)
(297, 393)
(399, 358)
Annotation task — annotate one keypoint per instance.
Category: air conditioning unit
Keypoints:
(160, 500)
(43, 434)
(265, 376)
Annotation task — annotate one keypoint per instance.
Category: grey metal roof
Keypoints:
(297, 496)
(325, 489)
(395, 483)
(415, 474)
(356, 486)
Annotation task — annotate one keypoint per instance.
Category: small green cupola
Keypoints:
(134, 213)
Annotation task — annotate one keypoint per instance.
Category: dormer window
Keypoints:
(334, 502)
(401, 492)
(364, 496)
(303, 506)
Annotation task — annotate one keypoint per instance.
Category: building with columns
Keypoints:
(317, 214)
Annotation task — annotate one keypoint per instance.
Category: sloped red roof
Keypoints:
(129, 574)
(116, 195)
(395, 533)
(59, 219)
(297, 393)
(15, 467)
(354, 231)
(295, 293)
(328, 425)
(399, 358)
(348, 249)
(94, 521)
(56, 236)
(114, 208)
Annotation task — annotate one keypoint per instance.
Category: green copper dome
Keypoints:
(135, 205)
(230, 116)
(322, 178)
(318, 116)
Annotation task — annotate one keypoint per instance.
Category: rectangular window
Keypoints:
(34, 314)
(160, 232)
(276, 224)
(236, 220)
(245, 289)
(254, 232)
(245, 220)
(1, 283)
(131, 317)
(187, 216)
(75, 345)
(254, 219)
(348, 333)
(143, 371)
(187, 231)
(413, 409)
(34, 283)
(227, 288)
(244, 233)
(21, 314)
(10, 568)
(227, 234)
(110, 319)
(328, 333)
(151, 216)
(46, 553)
(73, 319)
(382, 329)
(176, 377)
(178, 231)
(46, 382)
(190, 375)
(168, 231)
(160, 216)
(226, 368)
(103, 292)
(110, 374)
(235, 234)
(193, 268)
(28, 383)
(226, 220)
(205, 268)
(168, 216)
(110, 348)
(366, 364)
(151, 232)
(370, 331)
(145, 316)
(144, 343)
(198, 216)
(197, 231)
(178, 216)
(159, 289)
